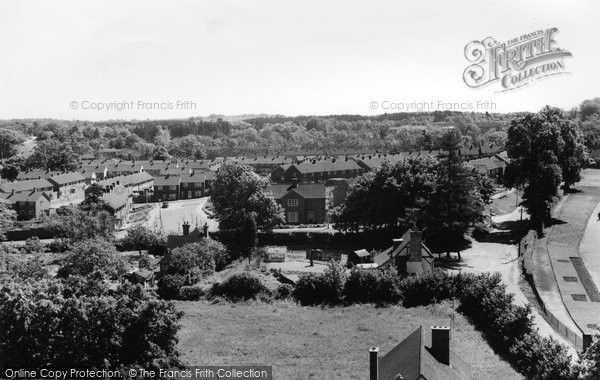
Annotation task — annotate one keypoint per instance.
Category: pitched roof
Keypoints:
(168, 180)
(305, 190)
(193, 177)
(413, 360)
(26, 196)
(35, 174)
(63, 179)
(25, 185)
(115, 201)
(127, 180)
(326, 166)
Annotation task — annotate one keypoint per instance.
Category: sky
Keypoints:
(98, 60)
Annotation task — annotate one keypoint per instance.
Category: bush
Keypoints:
(284, 291)
(190, 293)
(59, 246)
(381, 287)
(33, 245)
(241, 286)
(542, 358)
(427, 288)
(169, 285)
(326, 288)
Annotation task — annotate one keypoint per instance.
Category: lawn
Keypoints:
(320, 343)
(504, 204)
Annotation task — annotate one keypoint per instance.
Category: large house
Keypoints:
(167, 188)
(303, 203)
(69, 188)
(413, 359)
(193, 185)
(29, 205)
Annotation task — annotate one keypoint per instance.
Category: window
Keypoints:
(173, 187)
(292, 217)
(292, 203)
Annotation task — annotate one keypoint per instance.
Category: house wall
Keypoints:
(302, 209)
(192, 190)
(165, 193)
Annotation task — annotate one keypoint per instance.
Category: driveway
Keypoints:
(171, 218)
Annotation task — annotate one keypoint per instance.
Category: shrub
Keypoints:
(190, 293)
(169, 285)
(284, 291)
(241, 286)
(59, 246)
(145, 262)
(381, 287)
(542, 358)
(326, 288)
(427, 288)
(33, 245)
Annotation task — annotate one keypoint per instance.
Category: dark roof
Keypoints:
(35, 174)
(168, 180)
(305, 190)
(26, 196)
(413, 360)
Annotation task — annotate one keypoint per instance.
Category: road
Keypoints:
(503, 258)
(171, 218)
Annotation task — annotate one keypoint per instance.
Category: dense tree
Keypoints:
(78, 224)
(7, 218)
(456, 203)
(543, 148)
(83, 324)
(387, 196)
(239, 191)
(53, 155)
(589, 107)
(96, 258)
(141, 238)
(9, 142)
(187, 147)
(160, 153)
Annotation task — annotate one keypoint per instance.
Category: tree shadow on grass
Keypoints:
(554, 222)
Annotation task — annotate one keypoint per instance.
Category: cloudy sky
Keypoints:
(60, 59)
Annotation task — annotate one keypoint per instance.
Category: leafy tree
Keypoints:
(9, 143)
(456, 203)
(248, 235)
(93, 258)
(387, 196)
(53, 155)
(76, 224)
(140, 237)
(543, 148)
(187, 147)
(239, 191)
(29, 268)
(82, 324)
(33, 245)
(160, 153)
(590, 107)
(7, 218)
(589, 362)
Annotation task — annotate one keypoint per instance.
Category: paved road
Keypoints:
(170, 219)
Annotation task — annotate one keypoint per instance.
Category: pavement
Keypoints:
(171, 218)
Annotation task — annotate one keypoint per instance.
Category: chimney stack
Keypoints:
(440, 343)
(374, 363)
(186, 228)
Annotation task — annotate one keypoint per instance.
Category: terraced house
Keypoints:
(167, 188)
(317, 170)
(69, 189)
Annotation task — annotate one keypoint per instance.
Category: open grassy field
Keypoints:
(320, 343)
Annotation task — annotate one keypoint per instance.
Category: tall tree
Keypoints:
(7, 218)
(9, 142)
(456, 203)
(535, 146)
(53, 155)
(239, 191)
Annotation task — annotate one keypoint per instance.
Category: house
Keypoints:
(317, 170)
(119, 206)
(29, 205)
(192, 185)
(370, 162)
(137, 183)
(115, 168)
(263, 165)
(166, 188)
(303, 203)
(408, 254)
(31, 174)
(155, 167)
(493, 166)
(176, 241)
(413, 359)
(362, 256)
(28, 186)
(69, 189)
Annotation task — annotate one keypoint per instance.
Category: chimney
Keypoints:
(416, 240)
(186, 228)
(440, 344)
(374, 363)
(396, 243)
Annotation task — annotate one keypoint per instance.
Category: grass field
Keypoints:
(504, 204)
(319, 343)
